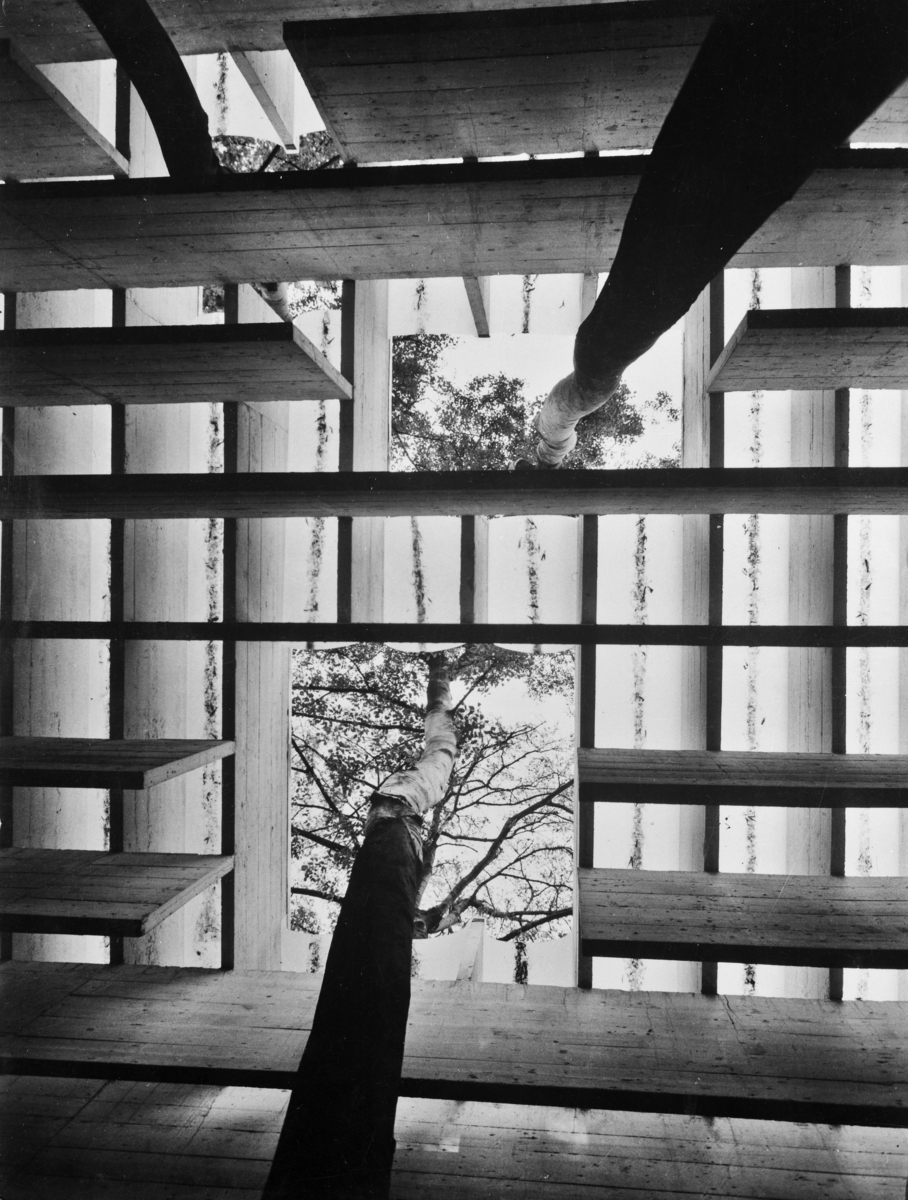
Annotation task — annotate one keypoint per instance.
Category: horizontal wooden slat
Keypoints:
(480, 1152)
(863, 490)
(42, 135)
(101, 763)
(525, 634)
(159, 364)
(459, 219)
(89, 892)
(801, 920)
(392, 88)
(661, 1052)
(743, 778)
(807, 349)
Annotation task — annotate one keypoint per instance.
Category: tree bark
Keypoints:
(144, 50)
(337, 1142)
(776, 85)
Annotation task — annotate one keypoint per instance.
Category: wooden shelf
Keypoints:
(812, 349)
(864, 490)
(161, 364)
(727, 1056)
(743, 778)
(100, 763)
(503, 82)
(798, 920)
(91, 892)
(460, 219)
(42, 135)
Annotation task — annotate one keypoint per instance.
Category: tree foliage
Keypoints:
(486, 424)
(499, 843)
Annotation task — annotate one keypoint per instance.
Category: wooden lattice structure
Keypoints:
(117, 497)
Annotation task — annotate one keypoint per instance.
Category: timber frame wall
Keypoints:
(109, 638)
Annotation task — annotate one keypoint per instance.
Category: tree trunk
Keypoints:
(338, 1137)
(775, 86)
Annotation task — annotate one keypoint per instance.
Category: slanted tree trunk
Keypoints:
(338, 1137)
(775, 86)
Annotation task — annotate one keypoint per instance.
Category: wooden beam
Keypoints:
(743, 778)
(270, 76)
(92, 762)
(43, 135)
(89, 892)
(867, 491)
(315, 632)
(809, 349)
(466, 219)
(479, 295)
(798, 920)
(539, 1045)
(161, 364)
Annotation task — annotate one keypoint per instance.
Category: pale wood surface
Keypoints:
(733, 777)
(84, 891)
(161, 364)
(96, 762)
(400, 222)
(810, 349)
(492, 1152)
(43, 135)
(543, 81)
(867, 490)
(731, 1056)
(63, 1139)
(801, 920)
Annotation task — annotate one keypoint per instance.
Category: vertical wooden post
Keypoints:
(585, 723)
(469, 969)
(811, 591)
(702, 445)
(903, 654)
(7, 465)
(474, 570)
(117, 665)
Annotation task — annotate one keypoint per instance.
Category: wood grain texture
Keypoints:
(799, 920)
(811, 349)
(865, 490)
(165, 364)
(541, 81)
(484, 1152)
(86, 892)
(43, 135)
(95, 762)
(460, 219)
(662, 1052)
(743, 778)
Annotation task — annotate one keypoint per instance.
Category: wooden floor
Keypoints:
(79, 1139)
(797, 920)
(662, 1052)
(42, 135)
(736, 777)
(162, 364)
(91, 892)
(811, 349)
(466, 219)
(101, 763)
(880, 491)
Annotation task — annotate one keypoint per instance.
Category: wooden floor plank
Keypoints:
(42, 135)
(743, 778)
(161, 364)
(879, 491)
(812, 349)
(795, 920)
(101, 763)
(89, 892)
(461, 219)
(735, 1056)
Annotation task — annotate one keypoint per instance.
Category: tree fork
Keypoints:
(337, 1142)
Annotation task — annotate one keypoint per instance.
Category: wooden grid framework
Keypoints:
(85, 236)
